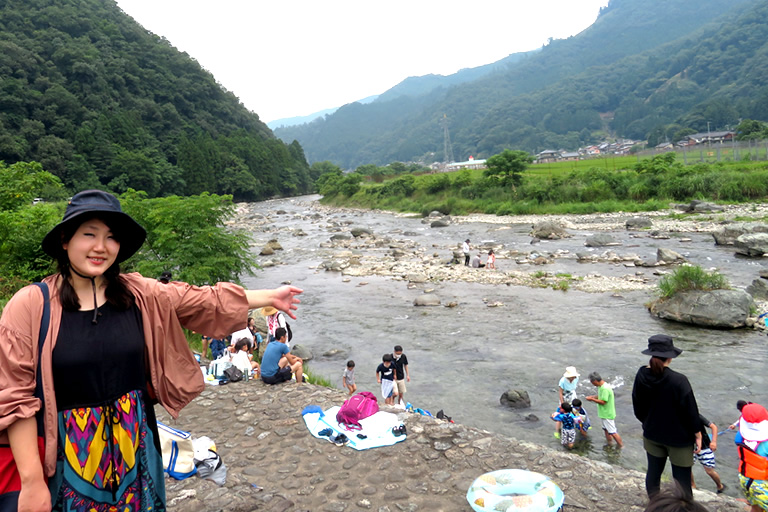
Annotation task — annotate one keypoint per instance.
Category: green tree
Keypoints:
(187, 236)
(507, 167)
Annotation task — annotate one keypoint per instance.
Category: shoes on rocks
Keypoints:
(399, 430)
(340, 440)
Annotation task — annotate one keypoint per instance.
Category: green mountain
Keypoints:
(644, 67)
(102, 102)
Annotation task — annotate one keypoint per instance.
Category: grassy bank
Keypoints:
(561, 188)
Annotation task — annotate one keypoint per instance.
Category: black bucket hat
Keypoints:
(96, 203)
(660, 345)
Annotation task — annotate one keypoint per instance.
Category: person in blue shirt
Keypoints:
(566, 417)
(277, 363)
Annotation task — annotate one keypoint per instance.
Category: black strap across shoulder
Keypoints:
(45, 321)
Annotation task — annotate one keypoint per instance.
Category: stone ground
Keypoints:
(275, 464)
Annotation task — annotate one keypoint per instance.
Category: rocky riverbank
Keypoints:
(274, 464)
(356, 250)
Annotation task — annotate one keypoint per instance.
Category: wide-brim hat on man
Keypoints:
(570, 371)
(660, 345)
(105, 206)
(268, 311)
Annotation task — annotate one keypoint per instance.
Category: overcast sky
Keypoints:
(286, 58)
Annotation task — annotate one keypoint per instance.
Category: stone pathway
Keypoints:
(275, 464)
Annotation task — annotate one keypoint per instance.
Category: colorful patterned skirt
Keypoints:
(108, 460)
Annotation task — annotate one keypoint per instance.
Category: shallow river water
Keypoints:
(463, 358)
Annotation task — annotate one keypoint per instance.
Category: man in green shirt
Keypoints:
(606, 408)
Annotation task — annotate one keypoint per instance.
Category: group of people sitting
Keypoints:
(242, 349)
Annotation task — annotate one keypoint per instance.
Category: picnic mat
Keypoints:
(376, 428)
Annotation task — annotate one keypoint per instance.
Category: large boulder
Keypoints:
(697, 206)
(516, 399)
(638, 223)
(427, 299)
(440, 223)
(722, 309)
(753, 244)
(340, 237)
(358, 232)
(549, 230)
(668, 256)
(728, 234)
(601, 240)
(302, 352)
(758, 289)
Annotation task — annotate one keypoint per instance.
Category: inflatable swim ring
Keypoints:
(514, 490)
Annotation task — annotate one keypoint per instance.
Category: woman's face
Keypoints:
(92, 249)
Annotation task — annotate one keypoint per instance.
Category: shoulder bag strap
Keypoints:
(40, 343)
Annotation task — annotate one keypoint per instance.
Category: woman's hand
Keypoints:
(35, 497)
(284, 299)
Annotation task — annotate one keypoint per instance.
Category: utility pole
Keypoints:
(709, 136)
(447, 147)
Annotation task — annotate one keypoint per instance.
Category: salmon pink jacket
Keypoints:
(173, 373)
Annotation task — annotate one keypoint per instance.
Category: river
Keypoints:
(463, 358)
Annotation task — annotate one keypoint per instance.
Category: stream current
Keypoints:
(463, 358)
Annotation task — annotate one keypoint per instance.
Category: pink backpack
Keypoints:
(356, 408)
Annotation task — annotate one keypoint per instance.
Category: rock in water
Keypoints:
(516, 399)
(302, 352)
(720, 309)
(427, 299)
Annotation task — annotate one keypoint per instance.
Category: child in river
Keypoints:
(564, 415)
(385, 375)
(582, 424)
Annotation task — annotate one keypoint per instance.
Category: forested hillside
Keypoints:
(101, 102)
(628, 64)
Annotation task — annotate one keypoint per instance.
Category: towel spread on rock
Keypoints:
(376, 428)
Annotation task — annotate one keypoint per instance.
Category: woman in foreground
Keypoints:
(114, 347)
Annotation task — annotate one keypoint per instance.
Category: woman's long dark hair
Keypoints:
(116, 292)
(657, 365)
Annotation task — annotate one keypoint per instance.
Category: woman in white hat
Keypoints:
(275, 319)
(113, 348)
(566, 388)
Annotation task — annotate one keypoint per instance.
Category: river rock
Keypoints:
(516, 399)
(763, 274)
(415, 277)
(335, 353)
(752, 244)
(435, 213)
(723, 309)
(638, 223)
(427, 299)
(440, 223)
(299, 232)
(601, 240)
(728, 234)
(302, 352)
(274, 245)
(267, 251)
(668, 256)
(334, 265)
(697, 206)
(758, 289)
(549, 230)
(341, 237)
(358, 232)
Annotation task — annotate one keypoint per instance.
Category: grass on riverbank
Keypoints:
(649, 185)
(691, 277)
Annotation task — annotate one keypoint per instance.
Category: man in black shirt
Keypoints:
(402, 374)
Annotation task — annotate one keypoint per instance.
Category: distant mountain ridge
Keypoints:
(293, 121)
(535, 104)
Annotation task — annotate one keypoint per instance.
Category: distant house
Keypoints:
(664, 146)
(469, 164)
(709, 137)
(549, 155)
(569, 155)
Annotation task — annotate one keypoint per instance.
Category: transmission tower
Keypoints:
(447, 147)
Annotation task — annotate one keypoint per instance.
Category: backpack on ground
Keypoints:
(356, 408)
